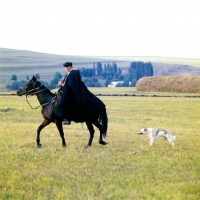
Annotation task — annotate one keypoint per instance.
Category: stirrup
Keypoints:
(66, 122)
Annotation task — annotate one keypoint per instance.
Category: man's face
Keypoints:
(68, 68)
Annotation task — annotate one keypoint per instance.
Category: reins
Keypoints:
(35, 107)
(34, 93)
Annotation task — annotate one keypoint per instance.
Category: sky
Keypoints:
(168, 28)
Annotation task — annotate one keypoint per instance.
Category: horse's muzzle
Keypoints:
(19, 93)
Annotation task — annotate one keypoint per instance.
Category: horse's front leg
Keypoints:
(45, 123)
(60, 129)
(91, 130)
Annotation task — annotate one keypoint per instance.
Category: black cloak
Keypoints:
(77, 102)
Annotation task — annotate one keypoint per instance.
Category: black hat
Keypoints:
(67, 64)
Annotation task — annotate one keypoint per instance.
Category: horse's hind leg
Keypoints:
(100, 127)
(45, 123)
(91, 130)
(60, 129)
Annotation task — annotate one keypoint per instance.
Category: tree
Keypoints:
(94, 69)
(114, 66)
(138, 70)
(133, 82)
(108, 80)
(103, 74)
(121, 77)
(99, 68)
(15, 85)
(54, 82)
(87, 72)
(37, 76)
(58, 75)
(91, 82)
(14, 77)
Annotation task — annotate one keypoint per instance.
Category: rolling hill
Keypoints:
(23, 63)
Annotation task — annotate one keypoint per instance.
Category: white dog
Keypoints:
(154, 134)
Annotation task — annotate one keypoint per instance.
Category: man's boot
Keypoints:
(66, 122)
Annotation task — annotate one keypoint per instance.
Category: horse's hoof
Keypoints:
(39, 146)
(64, 145)
(102, 142)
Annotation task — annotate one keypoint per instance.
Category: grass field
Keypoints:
(126, 168)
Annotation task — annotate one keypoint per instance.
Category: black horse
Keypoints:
(49, 103)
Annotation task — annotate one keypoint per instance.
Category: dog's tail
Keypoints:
(173, 137)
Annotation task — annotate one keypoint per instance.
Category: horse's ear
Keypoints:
(34, 78)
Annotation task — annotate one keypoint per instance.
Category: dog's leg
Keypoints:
(170, 140)
(151, 141)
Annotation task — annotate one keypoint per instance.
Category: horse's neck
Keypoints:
(44, 96)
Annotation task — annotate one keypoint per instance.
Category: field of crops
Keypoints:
(126, 168)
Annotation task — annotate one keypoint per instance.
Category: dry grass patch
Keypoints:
(182, 84)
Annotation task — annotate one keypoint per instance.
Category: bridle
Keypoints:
(32, 92)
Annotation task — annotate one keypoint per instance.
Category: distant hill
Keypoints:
(23, 63)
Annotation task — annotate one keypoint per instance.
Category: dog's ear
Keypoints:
(145, 129)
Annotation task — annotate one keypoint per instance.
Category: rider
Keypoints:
(68, 67)
(77, 102)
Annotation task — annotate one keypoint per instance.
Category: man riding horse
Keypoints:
(74, 102)
(77, 102)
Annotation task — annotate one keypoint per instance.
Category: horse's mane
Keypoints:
(47, 90)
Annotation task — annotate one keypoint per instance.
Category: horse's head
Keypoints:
(30, 87)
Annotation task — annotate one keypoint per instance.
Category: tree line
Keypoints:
(136, 71)
(90, 76)
(15, 85)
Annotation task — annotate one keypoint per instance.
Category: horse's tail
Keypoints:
(104, 122)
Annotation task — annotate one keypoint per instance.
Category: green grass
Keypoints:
(126, 168)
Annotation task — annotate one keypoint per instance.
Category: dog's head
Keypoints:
(142, 131)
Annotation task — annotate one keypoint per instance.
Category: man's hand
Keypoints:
(60, 83)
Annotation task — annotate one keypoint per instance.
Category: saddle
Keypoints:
(57, 98)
